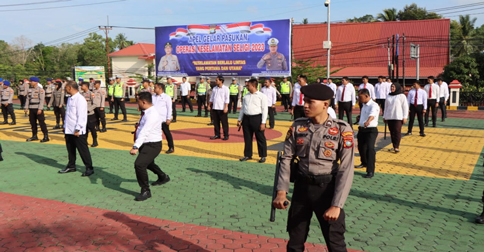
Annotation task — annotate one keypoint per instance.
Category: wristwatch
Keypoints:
(76, 131)
(135, 148)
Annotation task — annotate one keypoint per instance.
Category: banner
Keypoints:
(239, 49)
(86, 72)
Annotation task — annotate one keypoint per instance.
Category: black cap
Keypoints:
(317, 91)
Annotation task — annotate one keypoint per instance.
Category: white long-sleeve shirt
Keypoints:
(349, 94)
(164, 105)
(271, 95)
(76, 115)
(149, 128)
(444, 90)
(435, 91)
(297, 96)
(370, 108)
(220, 97)
(333, 87)
(421, 97)
(185, 88)
(254, 104)
(396, 107)
(332, 113)
(382, 90)
(370, 88)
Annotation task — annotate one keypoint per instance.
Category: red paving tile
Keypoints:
(38, 227)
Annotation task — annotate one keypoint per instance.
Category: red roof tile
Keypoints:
(140, 49)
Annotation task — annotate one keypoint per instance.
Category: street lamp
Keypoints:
(327, 44)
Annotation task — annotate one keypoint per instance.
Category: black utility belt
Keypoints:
(34, 103)
(315, 179)
(5, 100)
(253, 115)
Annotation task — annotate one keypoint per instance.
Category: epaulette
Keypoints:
(301, 119)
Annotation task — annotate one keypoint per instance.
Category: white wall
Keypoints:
(126, 66)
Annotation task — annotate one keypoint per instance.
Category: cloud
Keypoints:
(252, 9)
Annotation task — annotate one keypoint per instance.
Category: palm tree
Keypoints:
(305, 21)
(121, 41)
(388, 15)
(464, 37)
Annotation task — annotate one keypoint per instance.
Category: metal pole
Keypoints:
(389, 62)
(329, 49)
(396, 58)
(403, 73)
(393, 58)
(418, 62)
(106, 29)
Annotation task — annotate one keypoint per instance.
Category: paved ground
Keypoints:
(423, 199)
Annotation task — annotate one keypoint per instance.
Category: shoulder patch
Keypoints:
(289, 133)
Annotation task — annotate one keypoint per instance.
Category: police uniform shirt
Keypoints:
(76, 115)
(220, 96)
(288, 85)
(370, 88)
(49, 88)
(99, 97)
(57, 98)
(123, 89)
(297, 96)
(421, 97)
(149, 128)
(7, 95)
(23, 89)
(435, 91)
(185, 88)
(169, 63)
(444, 91)
(349, 94)
(254, 104)
(201, 85)
(319, 148)
(89, 96)
(145, 90)
(35, 98)
(370, 108)
(270, 92)
(163, 105)
(275, 62)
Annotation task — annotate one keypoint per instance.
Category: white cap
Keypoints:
(273, 42)
(234, 78)
(246, 80)
(68, 78)
(169, 77)
(202, 77)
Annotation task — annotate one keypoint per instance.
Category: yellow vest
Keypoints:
(118, 90)
(245, 91)
(110, 90)
(202, 88)
(285, 87)
(169, 90)
(234, 89)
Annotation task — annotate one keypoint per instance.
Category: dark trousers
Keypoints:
(332, 104)
(79, 143)
(100, 117)
(270, 113)
(395, 127)
(251, 125)
(91, 126)
(111, 104)
(47, 100)
(8, 110)
(173, 105)
(119, 104)
(381, 102)
(443, 108)
(286, 101)
(33, 118)
(431, 106)
(146, 160)
(307, 199)
(60, 113)
(298, 112)
(169, 138)
(185, 100)
(345, 107)
(233, 103)
(366, 147)
(22, 99)
(220, 117)
(201, 101)
(419, 111)
(211, 113)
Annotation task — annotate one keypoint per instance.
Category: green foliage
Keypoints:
(464, 38)
(388, 15)
(310, 69)
(121, 41)
(364, 19)
(464, 69)
(413, 12)
(305, 21)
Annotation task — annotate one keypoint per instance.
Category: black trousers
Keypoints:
(395, 127)
(220, 117)
(270, 113)
(111, 104)
(307, 199)
(60, 113)
(251, 126)
(419, 111)
(119, 104)
(185, 100)
(233, 103)
(345, 107)
(366, 147)
(8, 110)
(173, 106)
(146, 160)
(169, 138)
(100, 117)
(431, 106)
(33, 118)
(91, 126)
(201, 101)
(298, 112)
(22, 99)
(79, 143)
(47, 100)
(286, 101)
(332, 104)
(443, 107)
(381, 102)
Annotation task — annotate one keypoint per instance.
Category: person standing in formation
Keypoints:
(382, 88)
(119, 92)
(7, 105)
(91, 116)
(433, 94)
(371, 89)
(172, 91)
(99, 103)
(57, 102)
(49, 88)
(163, 104)
(23, 89)
(333, 87)
(219, 102)
(209, 96)
(298, 98)
(234, 95)
(270, 92)
(201, 89)
(417, 103)
(35, 107)
(444, 96)
(75, 130)
(396, 114)
(252, 118)
(147, 141)
(111, 94)
(286, 90)
(345, 100)
(91, 84)
(186, 89)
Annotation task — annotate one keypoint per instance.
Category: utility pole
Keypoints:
(403, 74)
(389, 61)
(106, 30)
(327, 44)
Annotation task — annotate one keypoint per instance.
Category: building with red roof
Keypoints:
(133, 60)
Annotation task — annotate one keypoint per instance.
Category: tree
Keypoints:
(388, 15)
(413, 12)
(121, 41)
(463, 36)
(364, 19)
(310, 69)
(463, 69)
(20, 50)
(93, 51)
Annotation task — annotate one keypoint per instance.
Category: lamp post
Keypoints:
(327, 44)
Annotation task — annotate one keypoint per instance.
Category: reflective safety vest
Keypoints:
(234, 89)
(258, 86)
(110, 90)
(285, 87)
(169, 90)
(202, 88)
(246, 91)
(118, 90)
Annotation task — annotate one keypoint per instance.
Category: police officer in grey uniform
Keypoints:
(169, 62)
(23, 89)
(49, 88)
(273, 60)
(99, 102)
(35, 106)
(321, 184)
(57, 102)
(91, 116)
(7, 106)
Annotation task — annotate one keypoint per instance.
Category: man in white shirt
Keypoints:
(382, 89)
(163, 104)
(270, 92)
(345, 99)
(444, 96)
(371, 89)
(147, 141)
(367, 132)
(75, 130)
(185, 89)
(433, 95)
(417, 103)
(219, 102)
(298, 98)
(333, 87)
(252, 118)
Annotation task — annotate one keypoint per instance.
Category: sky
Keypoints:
(53, 21)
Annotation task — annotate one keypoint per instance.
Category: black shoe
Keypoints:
(369, 175)
(480, 219)
(234, 112)
(206, 115)
(144, 195)
(94, 144)
(443, 120)
(262, 160)
(4, 122)
(173, 121)
(245, 159)
(124, 120)
(434, 125)
(183, 111)
(285, 110)
(45, 139)
(114, 119)
(103, 130)
(1, 158)
(422, 135)
(408, 134)
(13, 123)
(67, 170)
(88, 173)
(170, 151)
(360, 166)
(165, 180)
(426, 125)
(215, 137)
(225, 138)
(57, 126)
(34, 138)
(210, 124)
(198, 116)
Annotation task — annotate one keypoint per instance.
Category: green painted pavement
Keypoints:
(386, 213)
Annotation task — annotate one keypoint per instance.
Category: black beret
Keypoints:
(317, 92)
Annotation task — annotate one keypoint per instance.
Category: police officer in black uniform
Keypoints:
(321, 184)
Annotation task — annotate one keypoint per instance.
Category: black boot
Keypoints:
(33, 138)
(94, 143)
(13, 123)
(57, 126)
(144, 195)
(45, 139)
(5, 122)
